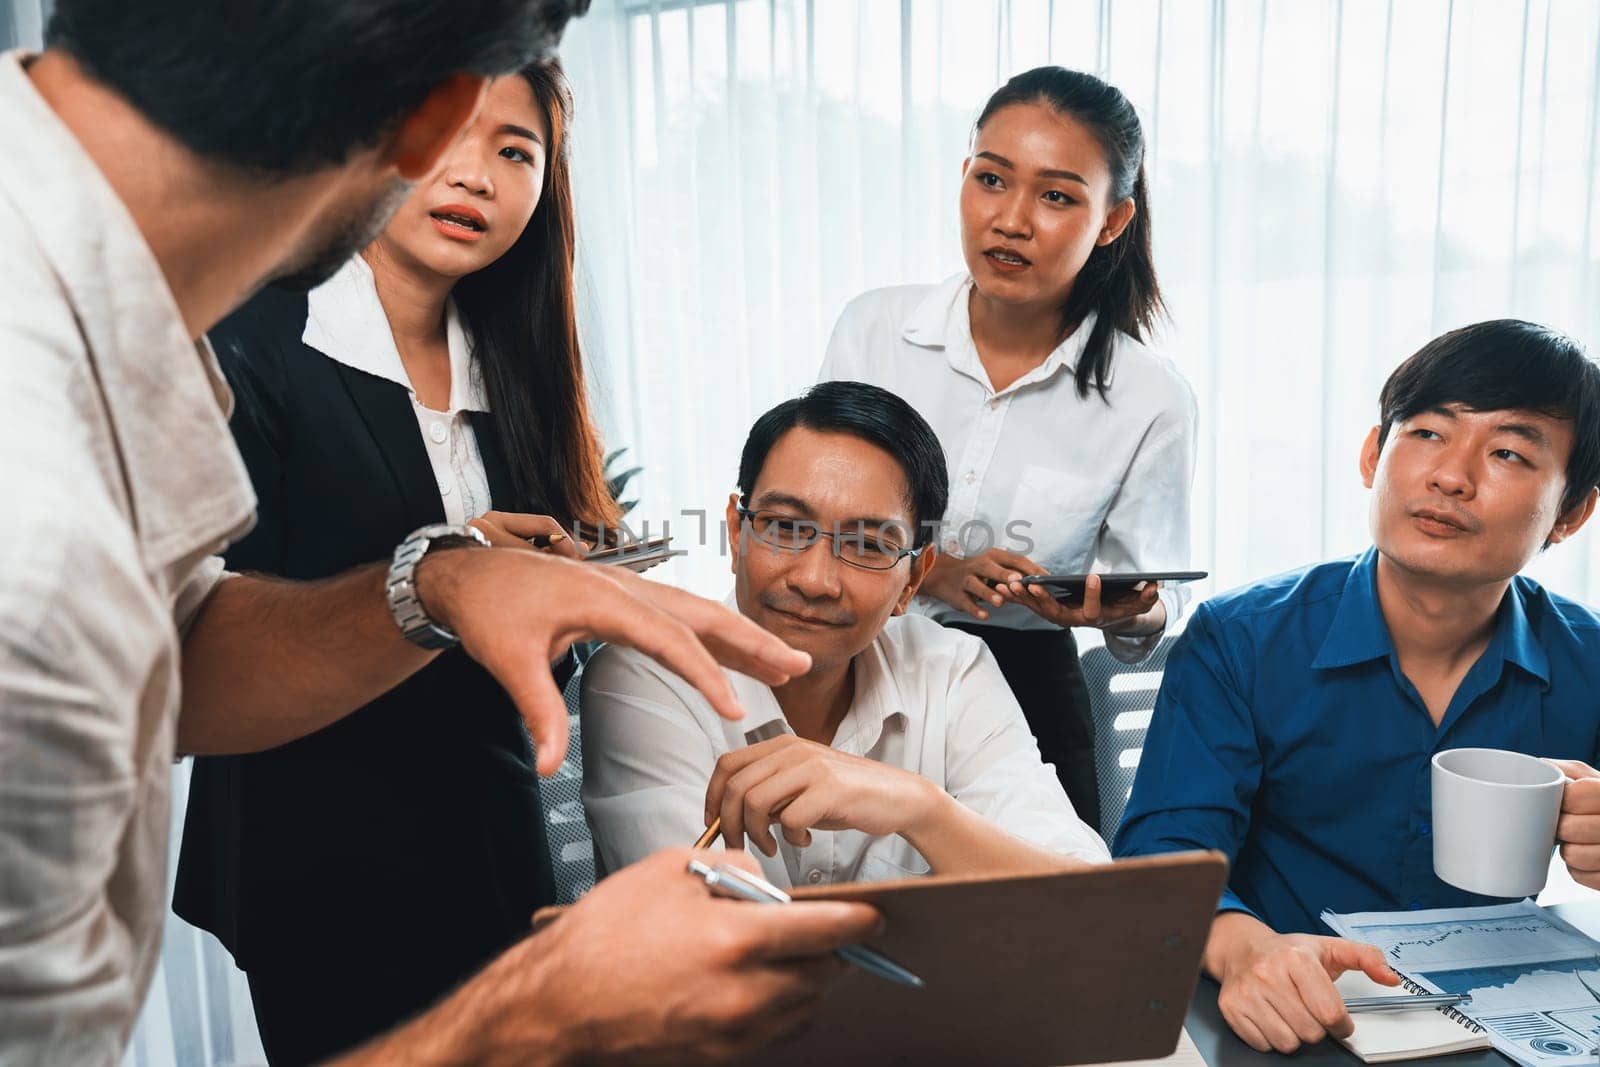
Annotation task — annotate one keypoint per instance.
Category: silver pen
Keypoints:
(1406, 1003)
(742, 885)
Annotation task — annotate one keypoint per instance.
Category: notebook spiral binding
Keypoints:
(1450, 1011)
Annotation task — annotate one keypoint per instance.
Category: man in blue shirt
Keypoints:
(1298, 717)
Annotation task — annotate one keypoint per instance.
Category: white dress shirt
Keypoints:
(928, 699)
(121, 482)
(346, 323)
(1100, 486)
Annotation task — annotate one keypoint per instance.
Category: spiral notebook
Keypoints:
(1384, 1037)
(1534, 978)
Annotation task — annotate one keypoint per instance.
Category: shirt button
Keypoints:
(971, 477)
(814, 877)
(445, 485)
(1418, 905)
(438, 433)
(1425, 829)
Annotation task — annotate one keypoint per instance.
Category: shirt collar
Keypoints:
(346, 322)
(877, 700)
(166, 400)
(1519, 644)
(1359, 632)
(942, 321)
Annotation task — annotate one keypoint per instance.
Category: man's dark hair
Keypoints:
(878, 417)
(1505, 365)
(284, 87)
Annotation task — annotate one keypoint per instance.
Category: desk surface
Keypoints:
(1220, 1048)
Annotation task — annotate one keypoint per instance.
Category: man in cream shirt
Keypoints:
(902, 751)
(156, 166)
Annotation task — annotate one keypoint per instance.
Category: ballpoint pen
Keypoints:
(742, 885)
(705, 839)
(1406, 1003)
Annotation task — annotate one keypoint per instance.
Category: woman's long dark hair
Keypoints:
(1118, 282)
(521, 315)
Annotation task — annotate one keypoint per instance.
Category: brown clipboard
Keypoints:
(1038, 970)
(1084, 966)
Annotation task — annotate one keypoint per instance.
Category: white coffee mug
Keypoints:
(1494, 820)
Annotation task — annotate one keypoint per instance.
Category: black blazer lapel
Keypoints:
(385, 407)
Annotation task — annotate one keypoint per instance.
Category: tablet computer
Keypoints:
(636, 555)
(1112, 586)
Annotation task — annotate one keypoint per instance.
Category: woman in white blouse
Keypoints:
(1071, 443)
(359, 873)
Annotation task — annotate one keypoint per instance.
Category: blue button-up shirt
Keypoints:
(1287, 737)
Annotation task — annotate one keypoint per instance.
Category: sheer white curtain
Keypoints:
(22, 22)
(1333, 184)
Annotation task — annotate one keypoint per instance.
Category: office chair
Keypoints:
(1121, 697)
(571, 845)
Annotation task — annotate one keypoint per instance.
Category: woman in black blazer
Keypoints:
(358, 874)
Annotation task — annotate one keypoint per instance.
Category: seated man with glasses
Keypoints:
(902, 751)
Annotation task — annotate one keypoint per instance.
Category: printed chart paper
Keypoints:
(1534, 979)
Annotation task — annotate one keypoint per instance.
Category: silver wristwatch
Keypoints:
(404, 604)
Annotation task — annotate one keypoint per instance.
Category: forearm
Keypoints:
(954, 839)
(493, 1019)
(1232, 935)
(1139, 627)
(267, 661)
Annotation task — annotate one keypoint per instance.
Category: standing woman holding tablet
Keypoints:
(362, 872)
(1071, 444)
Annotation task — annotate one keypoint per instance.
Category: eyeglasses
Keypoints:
(869, 550)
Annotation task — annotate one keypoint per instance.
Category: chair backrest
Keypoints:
(1121, 697)
(571, 847)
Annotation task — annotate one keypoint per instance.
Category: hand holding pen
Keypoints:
(649, 959)
(729, 881)
(510, 529)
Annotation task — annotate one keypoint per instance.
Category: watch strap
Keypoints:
(405, 605)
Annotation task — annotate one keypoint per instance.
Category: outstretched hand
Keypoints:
(1278, 991)
(516, 612)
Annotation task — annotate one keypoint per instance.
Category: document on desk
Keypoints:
(1185, 1055)
(1534, 979)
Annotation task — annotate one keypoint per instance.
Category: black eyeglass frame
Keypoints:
(747, 517)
